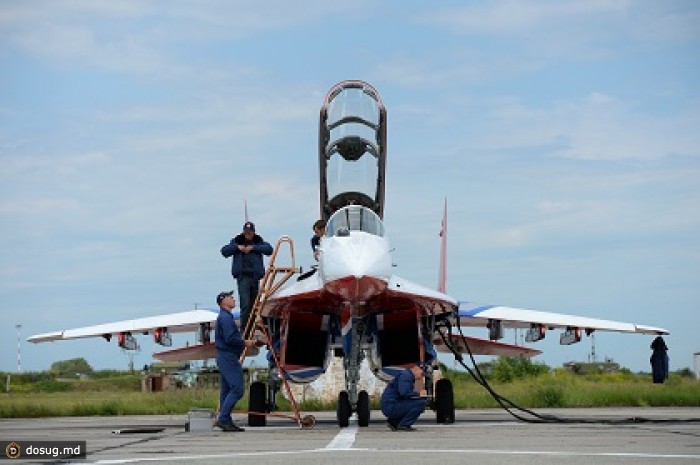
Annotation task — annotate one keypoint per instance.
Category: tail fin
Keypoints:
(442, 277)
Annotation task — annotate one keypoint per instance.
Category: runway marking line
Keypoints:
(344, 439)
(394, 451)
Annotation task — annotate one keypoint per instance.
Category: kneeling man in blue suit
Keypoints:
(401, 404)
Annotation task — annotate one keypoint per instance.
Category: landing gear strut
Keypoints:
(350, 400)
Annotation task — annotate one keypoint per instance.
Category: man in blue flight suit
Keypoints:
(229, 345)
(400, 403)
(247, 267)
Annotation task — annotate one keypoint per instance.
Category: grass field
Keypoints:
(562, 389)
(43, 396)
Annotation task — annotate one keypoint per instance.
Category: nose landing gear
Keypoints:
(344, 409)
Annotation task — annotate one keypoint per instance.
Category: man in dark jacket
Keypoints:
(401, 403)
(247, 267)
(659, 360)
(229, 346)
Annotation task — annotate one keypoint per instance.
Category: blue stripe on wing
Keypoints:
(472, 308)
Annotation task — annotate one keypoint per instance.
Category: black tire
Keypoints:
(343, 409)
(363, 409)
(444, 401)
(257, 402)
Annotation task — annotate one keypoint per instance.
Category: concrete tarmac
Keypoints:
(622, 436)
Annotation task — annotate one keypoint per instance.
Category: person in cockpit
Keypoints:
(319, 228)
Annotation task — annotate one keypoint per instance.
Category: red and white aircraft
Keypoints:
(353, 305)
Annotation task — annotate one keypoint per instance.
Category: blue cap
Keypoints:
(222, 295)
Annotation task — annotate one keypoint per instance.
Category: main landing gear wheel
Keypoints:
(363, 410)
(444, 401)
(257, 403)
(343, 409)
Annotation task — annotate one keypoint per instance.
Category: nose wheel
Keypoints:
(363, 409)
(344, 409)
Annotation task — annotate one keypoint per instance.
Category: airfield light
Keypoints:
(18, 326)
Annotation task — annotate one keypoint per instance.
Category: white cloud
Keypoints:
(515, 17)
(596, 127)
(147, 39)
(552, 206)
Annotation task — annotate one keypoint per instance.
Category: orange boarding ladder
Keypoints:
(274, 278)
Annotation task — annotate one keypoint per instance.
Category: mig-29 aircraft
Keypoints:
(352, 305)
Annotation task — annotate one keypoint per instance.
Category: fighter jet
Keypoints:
(353, 305)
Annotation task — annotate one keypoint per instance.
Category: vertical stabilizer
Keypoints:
(442, 277)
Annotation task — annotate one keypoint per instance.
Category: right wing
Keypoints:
(475, 314)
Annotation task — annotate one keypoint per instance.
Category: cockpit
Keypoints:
(354, 218)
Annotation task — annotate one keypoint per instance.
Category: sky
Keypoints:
(563, 134)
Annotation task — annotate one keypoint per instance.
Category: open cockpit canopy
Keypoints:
(352, 148)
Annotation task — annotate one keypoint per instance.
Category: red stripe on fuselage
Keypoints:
(356, 290)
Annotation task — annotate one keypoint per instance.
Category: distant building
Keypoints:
(696, 358)
(583, 368)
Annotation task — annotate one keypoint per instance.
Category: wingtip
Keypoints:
(46, 337)
(652, 330)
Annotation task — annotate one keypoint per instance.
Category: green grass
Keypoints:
(562, 389)
(42, 396)
(101, 403)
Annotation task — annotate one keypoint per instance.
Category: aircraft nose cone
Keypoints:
(357, 256)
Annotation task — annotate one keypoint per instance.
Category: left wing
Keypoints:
(173, 322)
(475, 314)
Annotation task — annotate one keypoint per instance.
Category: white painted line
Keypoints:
(344, 439)
(547, 452)
(193, 458)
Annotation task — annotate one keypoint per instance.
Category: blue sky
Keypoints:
(563, 134)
